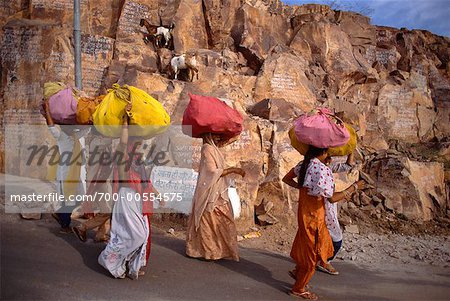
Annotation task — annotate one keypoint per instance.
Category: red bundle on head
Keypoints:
(211, 115)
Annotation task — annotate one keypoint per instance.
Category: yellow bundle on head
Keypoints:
(344, 150)
(147, 116)
(108, 117)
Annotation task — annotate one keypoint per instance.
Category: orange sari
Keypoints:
(312, 242)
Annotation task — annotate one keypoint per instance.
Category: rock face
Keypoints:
(272, 62)
(415, 189)
(190, 30)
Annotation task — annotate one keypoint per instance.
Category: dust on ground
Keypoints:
(380, 243)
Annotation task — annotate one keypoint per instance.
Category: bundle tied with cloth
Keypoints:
(322, 129)
(68, 106)
(62, 101)
(203, 117)
(147, 116)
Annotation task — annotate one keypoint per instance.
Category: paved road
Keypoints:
(37, 263)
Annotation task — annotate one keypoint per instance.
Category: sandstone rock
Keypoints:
(12, 9)
(190, 29)
(256, 31)
(330, 46)
(404, 113)
(362, 34)
(274, 109)
(364, 198)
(345, 220)
(220, 18)
(376, 200)
(97, 17)
(344, 180)
(166, 91)
(282, 77)
(410, 194)
(137, 55)
(128, 27)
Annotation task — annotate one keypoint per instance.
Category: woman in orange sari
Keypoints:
(312, 243)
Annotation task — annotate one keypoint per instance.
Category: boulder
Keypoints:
(415, 189)
(190, 29)
(256, 31)
(358, 27)
(220, 18)
(405, 113)
(282, 157)
(274, 110)
(97, 17)
(283, 77)
(330, 46)
(137, 54)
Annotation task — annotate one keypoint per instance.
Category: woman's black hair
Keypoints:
(313, 152)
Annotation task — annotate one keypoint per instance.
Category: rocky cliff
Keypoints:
(273, 61)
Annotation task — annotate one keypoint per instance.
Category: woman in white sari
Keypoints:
(129, 246)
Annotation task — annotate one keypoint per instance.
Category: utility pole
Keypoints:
(77, 43)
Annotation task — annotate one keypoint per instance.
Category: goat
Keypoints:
(182, 62)
(152, 29)
(165, 32)
(157, 33)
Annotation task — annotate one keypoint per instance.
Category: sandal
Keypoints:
(81, 234)
(305, 295)
(327, 268)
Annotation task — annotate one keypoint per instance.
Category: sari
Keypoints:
(128, 249)
(211, 232)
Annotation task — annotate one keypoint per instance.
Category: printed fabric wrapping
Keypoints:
(321, 129)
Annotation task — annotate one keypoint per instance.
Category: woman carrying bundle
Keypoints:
(128, 248)
(211, 232)
(312, 243)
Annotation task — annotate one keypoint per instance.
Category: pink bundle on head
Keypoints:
(63, 107)
(321, 128)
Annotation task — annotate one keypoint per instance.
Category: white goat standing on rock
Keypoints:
(182, 62)
(166, 33)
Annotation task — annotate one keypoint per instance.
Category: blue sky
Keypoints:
(432, 15)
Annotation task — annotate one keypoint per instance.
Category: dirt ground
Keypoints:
(379, 243)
